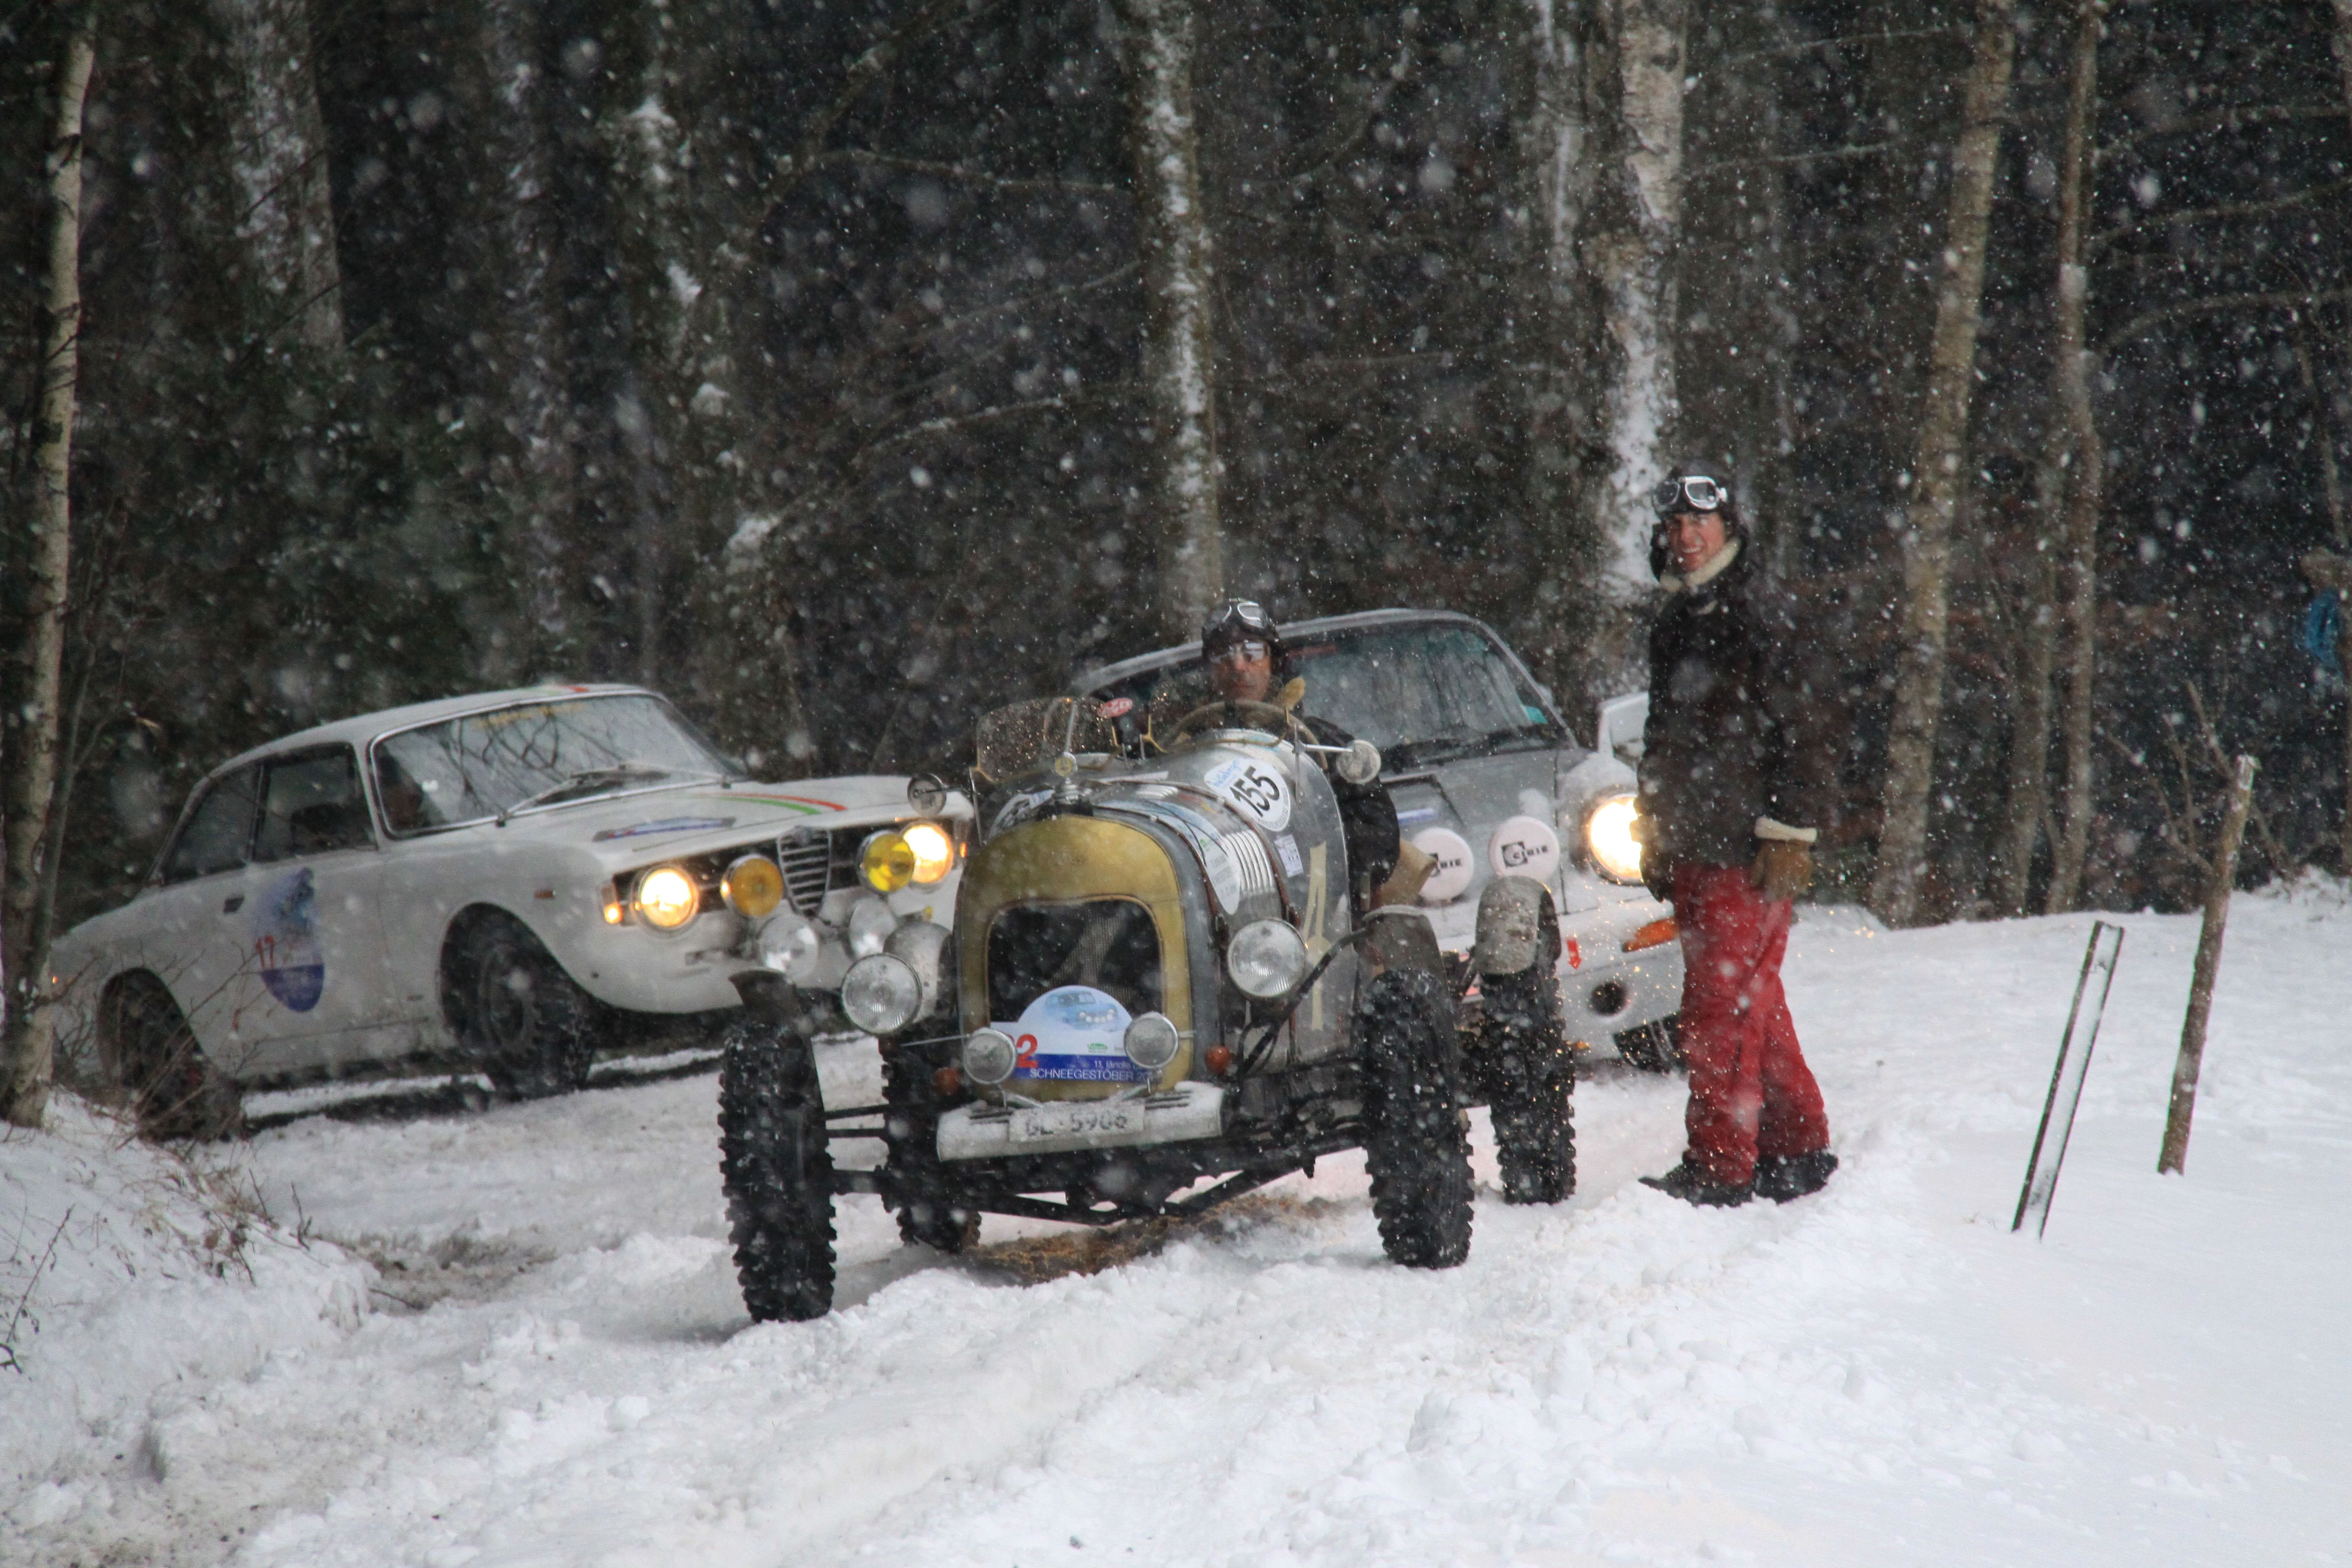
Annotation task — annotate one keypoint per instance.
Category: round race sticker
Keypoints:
(1523, 846)
(1452, 853)
(1257, 790)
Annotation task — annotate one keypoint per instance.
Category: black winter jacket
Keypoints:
(1741, 729)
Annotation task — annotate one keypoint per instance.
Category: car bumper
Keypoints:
(1191, 1111)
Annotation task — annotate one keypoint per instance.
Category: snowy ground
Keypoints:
(556, 1369)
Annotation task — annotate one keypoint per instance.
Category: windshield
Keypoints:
(482, 764)
(1421, 693)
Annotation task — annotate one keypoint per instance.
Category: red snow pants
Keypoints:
(1750, 1091)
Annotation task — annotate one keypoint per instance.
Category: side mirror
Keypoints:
(1360, 764)
(927, 793)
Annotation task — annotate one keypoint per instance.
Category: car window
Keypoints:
(311, 804)
(477, 766)
(217, 833)
(1421, 693)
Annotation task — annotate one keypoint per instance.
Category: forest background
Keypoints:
(844, 368)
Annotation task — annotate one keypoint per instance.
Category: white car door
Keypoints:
(311, 887)
(190, 932)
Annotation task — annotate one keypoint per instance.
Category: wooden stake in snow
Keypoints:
(2200, 983)
(2066, 1077)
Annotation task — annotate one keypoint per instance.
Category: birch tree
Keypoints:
(278, 158)
(1629, 249)
(1178, 283)
(1939, 473)
(34, 719)
(2084, 464)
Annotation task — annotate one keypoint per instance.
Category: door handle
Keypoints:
(233, 903)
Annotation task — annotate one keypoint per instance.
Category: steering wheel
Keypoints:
(1264, 716)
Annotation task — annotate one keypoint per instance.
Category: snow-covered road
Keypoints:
(558, 1369)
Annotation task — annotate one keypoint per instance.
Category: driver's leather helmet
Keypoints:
(1245, 620)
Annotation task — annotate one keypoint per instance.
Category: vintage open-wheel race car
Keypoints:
(1162, 988)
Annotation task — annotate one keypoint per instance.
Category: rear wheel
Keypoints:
(1531, 1082)
(525, 1022)
(777, 1170)
(1655, 1046)
(1415, 1146)
(173, 1090)
(928, 1216)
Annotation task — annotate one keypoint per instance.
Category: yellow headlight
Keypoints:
(934, 850)
(1609, 836)
(887, 861)
(666, 898)
(754, 885)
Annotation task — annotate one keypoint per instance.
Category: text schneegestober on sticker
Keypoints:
(1257, 790)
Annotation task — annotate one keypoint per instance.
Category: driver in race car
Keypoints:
(1248, 662)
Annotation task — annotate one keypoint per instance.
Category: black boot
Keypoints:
(1691, 1185)
(1784, 1177)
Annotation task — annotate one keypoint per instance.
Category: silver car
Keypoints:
(1487, 781)
(512, 880)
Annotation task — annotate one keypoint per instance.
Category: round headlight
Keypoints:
(666, 899)
(1609, 838)
(1151, 1042)
(1266, 958)
(934, 850)
(988, 1055)
(869, 925)
(886, 861)
(881, 994)
(789, 945)
(754, 885)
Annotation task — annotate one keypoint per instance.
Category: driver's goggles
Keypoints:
(1249, 650)
(1690, 493)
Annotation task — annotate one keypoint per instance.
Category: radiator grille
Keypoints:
(807, 861)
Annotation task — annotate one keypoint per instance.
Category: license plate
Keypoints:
(1077, 1119)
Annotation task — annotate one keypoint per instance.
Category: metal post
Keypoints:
(2066, 1078)
(2201, 984)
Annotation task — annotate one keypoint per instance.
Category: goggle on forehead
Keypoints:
(1688, 493)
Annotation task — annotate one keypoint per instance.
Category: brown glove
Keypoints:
(1783, 867)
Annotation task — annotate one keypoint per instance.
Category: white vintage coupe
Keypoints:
(511, 879)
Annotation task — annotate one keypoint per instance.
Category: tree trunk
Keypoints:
(1940, 475)
(1554, 333)
(532, 366)
(2087, 475)
(278, 158)
(31, 1023)
(2029, 749)
(1179, 346)
(1632, 256)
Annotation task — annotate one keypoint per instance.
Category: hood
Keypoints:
(693, 820)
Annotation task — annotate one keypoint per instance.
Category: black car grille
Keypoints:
(808, 861)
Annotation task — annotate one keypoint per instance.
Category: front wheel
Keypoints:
(928, 1216)
(173, 1090)
(1534, 1080)
(1415, 1146)
(525, 1022)
(777, 1170)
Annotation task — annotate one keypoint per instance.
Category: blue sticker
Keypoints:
(285, 925)
(667, 825)
(1074, 1035)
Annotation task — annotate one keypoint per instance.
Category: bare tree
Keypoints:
(1179, 284)
(1630, 245)
(1554, 334)
(1939, 473)
(34, 720)
(2085, 459)
(532, 362)
(278, 155)
(2029, 746)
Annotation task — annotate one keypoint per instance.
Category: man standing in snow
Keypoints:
(1737, 769)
